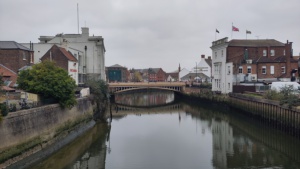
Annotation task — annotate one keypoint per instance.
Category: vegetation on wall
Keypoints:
(50, 82)
(287, 96)
(99, 95)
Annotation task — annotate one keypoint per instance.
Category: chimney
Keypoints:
(202, 56)
(85, 31)
(288, 52)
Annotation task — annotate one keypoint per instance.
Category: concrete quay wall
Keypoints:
(45, 123)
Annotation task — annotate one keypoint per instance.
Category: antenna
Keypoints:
(77, 18)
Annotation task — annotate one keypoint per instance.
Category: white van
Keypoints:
(278, 85)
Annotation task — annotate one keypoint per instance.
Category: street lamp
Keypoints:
(196, 72)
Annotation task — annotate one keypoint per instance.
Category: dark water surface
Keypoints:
(179, 136)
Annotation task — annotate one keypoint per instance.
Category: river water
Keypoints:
(177, 135)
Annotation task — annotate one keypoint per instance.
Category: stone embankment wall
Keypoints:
(40, 124)
(270, 111)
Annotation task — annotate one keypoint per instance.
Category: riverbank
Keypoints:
(27, 132)
(272, 112)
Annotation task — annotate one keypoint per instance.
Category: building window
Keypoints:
(283, 69)
(228, 86)
(228, 70)
(222, 53)
(264, 70)
(264, 52)
(272, 52)
(284, 52)
(31, 58)
(248, 69)
(241, 69)
(271, 70)
(24, 56)
(216, 55)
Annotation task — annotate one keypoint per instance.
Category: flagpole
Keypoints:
(215, 35)
(231, 29)
(246, 34)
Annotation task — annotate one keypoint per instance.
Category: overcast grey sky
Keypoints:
(153, 33)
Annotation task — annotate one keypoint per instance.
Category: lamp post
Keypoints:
(196, 73)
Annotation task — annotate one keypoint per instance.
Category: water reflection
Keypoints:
(181, 136)
(145, 98)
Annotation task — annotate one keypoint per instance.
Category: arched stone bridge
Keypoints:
(122, 87)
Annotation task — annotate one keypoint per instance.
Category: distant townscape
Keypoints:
(232, 63)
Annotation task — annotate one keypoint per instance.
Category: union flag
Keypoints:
(235, 29)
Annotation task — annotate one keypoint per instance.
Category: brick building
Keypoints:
(15, 56)
(117, 73)
(63, 59)
(156, 75)
(9, 77)
(246, 61)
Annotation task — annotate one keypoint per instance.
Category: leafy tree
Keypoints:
(49, 81)
(99, 91)
(137, 76)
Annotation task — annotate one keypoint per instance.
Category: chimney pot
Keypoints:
(202, 56)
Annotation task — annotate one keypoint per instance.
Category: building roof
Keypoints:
(12, 45)
(6, 72)
(208, 61)
(117, 65)
(68, 54)
(255, 43)
(279, 59)
(193, 75)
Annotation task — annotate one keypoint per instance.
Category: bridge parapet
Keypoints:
(122, 87)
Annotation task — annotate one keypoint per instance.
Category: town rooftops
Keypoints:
(12, 45)
(255, 43)
(117, 65)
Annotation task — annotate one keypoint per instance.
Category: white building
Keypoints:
(203, 66)
(182, 73)
(222, 76)
(88, 50)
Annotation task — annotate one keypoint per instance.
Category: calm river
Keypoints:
(177, 135)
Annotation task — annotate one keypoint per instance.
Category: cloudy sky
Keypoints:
(153, 33)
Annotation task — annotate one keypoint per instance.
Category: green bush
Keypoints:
(3, 109)
(272, 95)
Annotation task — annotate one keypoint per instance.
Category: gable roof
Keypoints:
(255, 43)
(68, 54)
(63, 51)
(12, 45)
(6, 72)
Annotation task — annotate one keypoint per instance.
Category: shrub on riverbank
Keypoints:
(49, 81)
(286, 95)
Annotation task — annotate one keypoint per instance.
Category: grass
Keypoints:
(19, 149)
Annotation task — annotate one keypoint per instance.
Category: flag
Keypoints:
(248, 32)
(217, 31)
(235, 29)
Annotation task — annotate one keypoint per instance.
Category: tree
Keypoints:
(99, 91)
(137, 76)
(49, 81)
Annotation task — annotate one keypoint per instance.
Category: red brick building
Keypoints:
(156, 75)
(63, 59)
(261, 60)
(15, 56)
(9, 77)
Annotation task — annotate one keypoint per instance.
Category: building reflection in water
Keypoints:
(150, 98)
